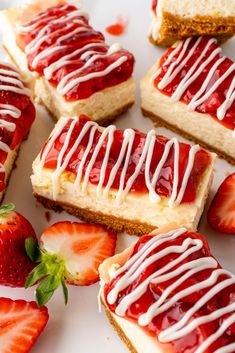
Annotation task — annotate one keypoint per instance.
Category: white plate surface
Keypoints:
(79, 327)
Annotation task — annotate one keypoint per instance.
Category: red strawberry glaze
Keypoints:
(22, 124)
(118, 28)
(190, 342)
(84, 89)
(154, 5)
(165, 182)
(212, 103)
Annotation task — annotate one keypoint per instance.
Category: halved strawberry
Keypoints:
(21, 323)
(221, 214)
(69, 252)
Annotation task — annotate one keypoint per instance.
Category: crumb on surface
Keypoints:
(48, 216)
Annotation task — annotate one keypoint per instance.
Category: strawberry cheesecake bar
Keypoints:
(124, 179)
(168, 294)
(191, 90)
(178, 19)
(17, 114)
(75, 70)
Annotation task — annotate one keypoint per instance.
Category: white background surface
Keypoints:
(80, 327)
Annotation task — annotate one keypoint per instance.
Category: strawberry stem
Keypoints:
(50, 273)
(6, 208)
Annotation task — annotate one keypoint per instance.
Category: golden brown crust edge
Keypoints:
(115, 223)
(118, 330)
(175, 27)
(159, 121)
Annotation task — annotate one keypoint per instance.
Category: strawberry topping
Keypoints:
(20, 125)
(183, 300)
(165, 182)
(57, 34)
(210, 72)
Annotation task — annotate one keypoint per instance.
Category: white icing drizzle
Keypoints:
(66, 22)
(205, 91)
(4, 147)
(190, 77)
(8, 109)
(63, 87)
(71, 84)
(177, 64)
(11, 77)
(65, 60)
(37, 21)
(8, 78)
(168, 60)
(124, 158)
(7, 125)
(140, 261)
(60, 166)
(54, 135)
(230, 97)
(213, 88)
(205, 83)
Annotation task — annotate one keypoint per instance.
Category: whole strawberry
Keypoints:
(15, 265)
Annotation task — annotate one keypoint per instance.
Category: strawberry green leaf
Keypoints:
(65, 291)
(50, 272)
(32, 250)
(46, 289)
(7, 208)
(37, 273)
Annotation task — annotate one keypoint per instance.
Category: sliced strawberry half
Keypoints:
(21, 323)
(83, 247)
(221, 214)
(69, 252)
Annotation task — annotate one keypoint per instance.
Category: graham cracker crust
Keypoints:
(159, 121)
(115, 223)
(118, 330)
(175, 27)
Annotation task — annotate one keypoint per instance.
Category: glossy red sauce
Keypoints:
(23, 123)
(211, 105)
(118, 28)
(83, 89)
(154, 5)
(165, 182)
(190, 342)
